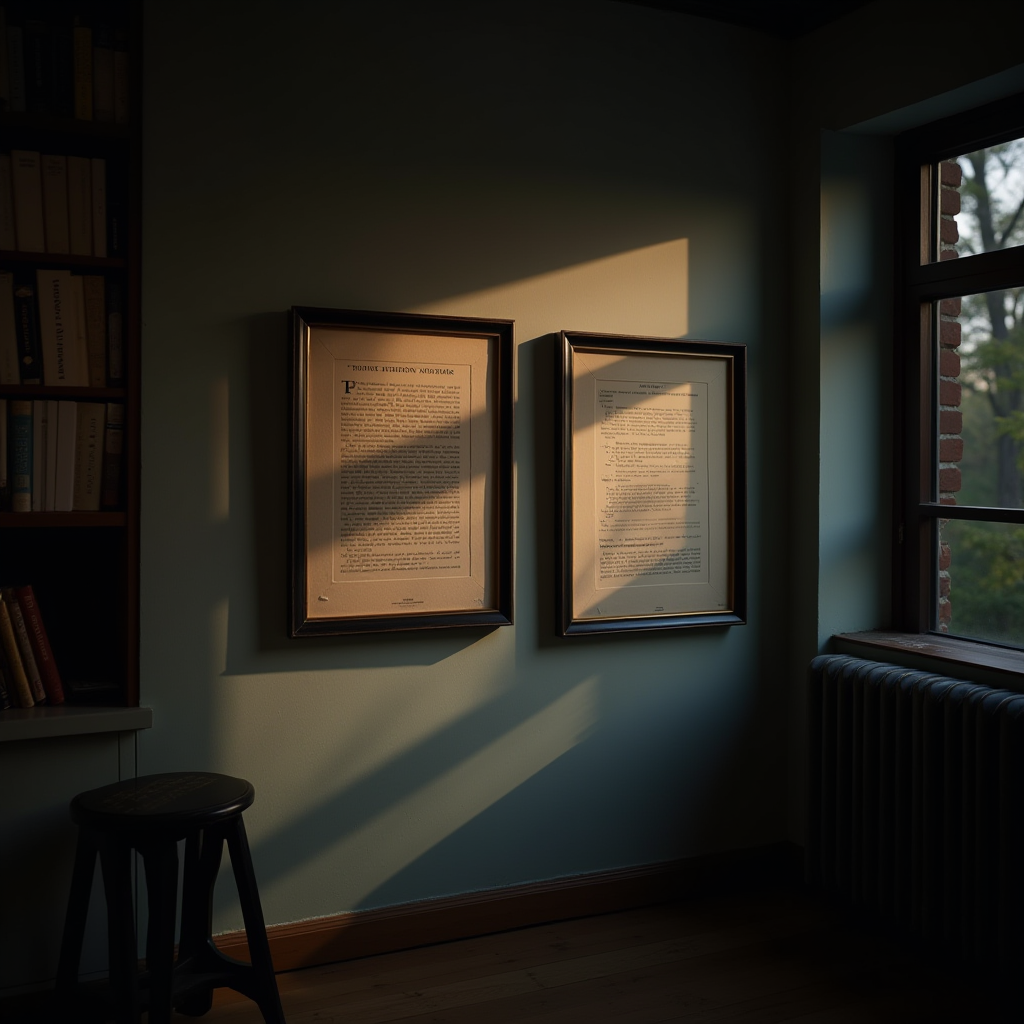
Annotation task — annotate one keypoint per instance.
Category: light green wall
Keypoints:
(588, 166)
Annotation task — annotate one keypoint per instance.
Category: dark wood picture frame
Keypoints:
(678, 569)
(402, 473)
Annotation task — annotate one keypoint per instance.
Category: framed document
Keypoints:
(653, 484)
(402, 463)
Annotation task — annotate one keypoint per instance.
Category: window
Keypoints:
(960, 376)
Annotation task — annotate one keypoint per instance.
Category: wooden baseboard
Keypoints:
(360, 933)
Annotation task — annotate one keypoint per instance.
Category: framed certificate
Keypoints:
(653, 483)
(402, 471)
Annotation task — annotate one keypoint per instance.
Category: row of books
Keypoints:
(56, 203)
(62, 60)
(28, 673)
(61, 329)
(61, 456)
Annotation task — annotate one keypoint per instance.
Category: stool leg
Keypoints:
(78, 910)
(203, 852)
(161, 861)
(116, 864)
(265, 990)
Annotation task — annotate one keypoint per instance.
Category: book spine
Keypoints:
(56, 327)
(8, 239)
(40, 644)
(38, 455)
(99, 206)
(16, 65)
(50, 462)
(22, 689)
(122, 98)
(64, 473)
(113, 448)
(115, 335)
(21, 455)
(83, 71)
(5, 698)
(89, 456)
(79, 335)
(62, 47)
(27, 190)
(26, 325)
(9, 370)
(94, 290)
(103, 74)
(55, 203)
(38, 47)
(28, 659)
(80, 205)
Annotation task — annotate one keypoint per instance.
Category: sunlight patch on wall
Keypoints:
(407, 829)
(643, 291)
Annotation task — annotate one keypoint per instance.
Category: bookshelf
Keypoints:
(83, 565)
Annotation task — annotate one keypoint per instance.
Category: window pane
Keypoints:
(980, 197)
(981, 581)
(980, 357)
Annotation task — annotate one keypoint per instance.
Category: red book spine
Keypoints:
(40, 645)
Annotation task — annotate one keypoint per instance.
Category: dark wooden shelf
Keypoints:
(61, 519)
(61, 391)
(50, 124)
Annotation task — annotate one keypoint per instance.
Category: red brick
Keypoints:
(948, 231)
(950, 421)
(943, 586)
(949, 393)
(949, 480)
(948, 254)
(944, 556)
(951, 449)
(950, 307)
(951, 173)
(947, 500)
(945, 614)
(949, 363)
(950, 201)
(949, 333)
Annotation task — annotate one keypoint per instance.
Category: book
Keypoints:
(62, 55)
(8, 239)
(27, 190)
(15, 63)
(14, 670)
(122, 100)
(55, 202)
(5, 699)
(82, 35)
(80, 205)
(28, 658)
(57, 329)
(113, 449)
(39, 410)
(115, 336)
(80, 338)
(40, 644)
(89, 456)
(26, 326)
(94, 290)
(103, 73)
(64, 469)
(38, 58)
(50, 460)
(20, 463)
(10, 372)
(117, 208)
(99, 205)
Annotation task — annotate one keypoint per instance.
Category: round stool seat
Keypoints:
(149, 816)
(157, 804)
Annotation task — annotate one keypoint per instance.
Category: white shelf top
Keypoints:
(64, 720)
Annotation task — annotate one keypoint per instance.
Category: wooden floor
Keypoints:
(775, 957)
(762, 958)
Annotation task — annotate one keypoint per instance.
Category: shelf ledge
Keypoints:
(46, 722)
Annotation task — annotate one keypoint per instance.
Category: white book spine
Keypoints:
(67, 433)
(99, 206)
(57, 327)
(89, 456)
(80, 205)
(81, 360)
(55, 203)
(27, 189)
(50, 484)
(39, 411)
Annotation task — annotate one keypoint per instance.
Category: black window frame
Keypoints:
(922, 280)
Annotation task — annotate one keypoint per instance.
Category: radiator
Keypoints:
(916, 804)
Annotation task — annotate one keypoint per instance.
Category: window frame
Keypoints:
(922, 280)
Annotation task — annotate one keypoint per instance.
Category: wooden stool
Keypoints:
(151, 814)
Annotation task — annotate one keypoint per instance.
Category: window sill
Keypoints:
(46, 722)
(966, 659)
